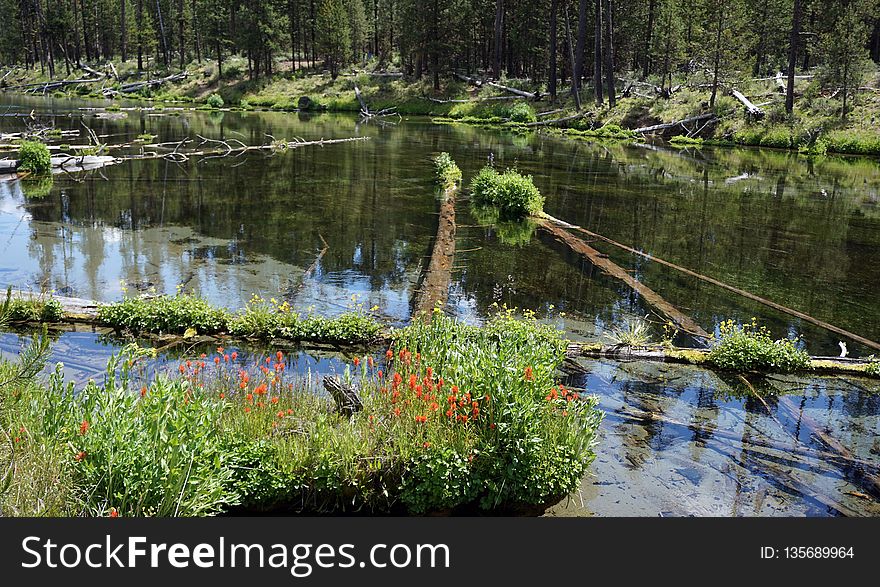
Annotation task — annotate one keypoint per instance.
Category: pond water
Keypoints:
(803, 233)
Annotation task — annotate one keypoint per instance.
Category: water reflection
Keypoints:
(803, 233)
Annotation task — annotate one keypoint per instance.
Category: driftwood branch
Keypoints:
(346, 397)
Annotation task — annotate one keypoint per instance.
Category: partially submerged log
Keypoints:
(603, 263)
(66, 163)
(700, 357)
(346, 397)
(434, 289)
(667, 126)
(805, 317)
(752, 111)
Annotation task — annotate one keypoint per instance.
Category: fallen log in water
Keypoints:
(65, 163)
(700, 357)
(807, 318)
(608, 267)
(434, 289)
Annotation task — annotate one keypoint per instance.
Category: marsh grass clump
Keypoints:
(749, 347)
(633, 333)
(522, 113)
(214, 101)
(33, 156)
(513, 194)
(446, 170)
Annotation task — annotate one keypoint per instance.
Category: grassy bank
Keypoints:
(815, 127)
(455, 418)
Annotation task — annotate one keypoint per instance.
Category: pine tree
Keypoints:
(845, 55)
(334, 34)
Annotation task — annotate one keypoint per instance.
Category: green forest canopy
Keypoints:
(544, 41)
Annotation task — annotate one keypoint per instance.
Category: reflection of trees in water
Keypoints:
(768, 222)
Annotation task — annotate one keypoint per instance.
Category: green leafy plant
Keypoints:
(514, 194)
(749, 347)
(447, 172)
(214, 101)
(34, 156)
(164, 314)
(522, 112)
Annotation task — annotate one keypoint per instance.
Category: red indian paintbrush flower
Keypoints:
(84, 427)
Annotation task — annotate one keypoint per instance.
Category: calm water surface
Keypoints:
(802, 233)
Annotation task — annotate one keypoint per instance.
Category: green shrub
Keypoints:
(164, 314)
(34, 156)
(447, 172)
(514, 195)
(750, 348)
(522, 112)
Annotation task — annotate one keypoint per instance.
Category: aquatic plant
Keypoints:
(164, 314)
(446, 170)
(34, 156)
(259, 319)
(514, 194)
(34, 310)
(749, 347)
(633, 333)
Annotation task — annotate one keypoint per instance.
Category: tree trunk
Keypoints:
(649, 30)
(140, 33)
(499, 19)
(574, 73)
(578, 65)
(875, 41)
(609, 52)
(792, 55)
(551, 85)
(123, 41)
(197, 35)
(597, 53)
(162, 38)
(180, 35)
(717, 63)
